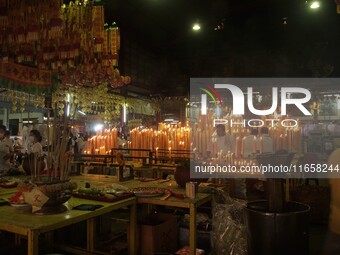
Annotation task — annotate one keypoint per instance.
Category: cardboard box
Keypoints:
(160, 236)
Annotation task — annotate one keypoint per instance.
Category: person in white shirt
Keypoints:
(4, 153)
(265, 142)
(224, 142)
(8, 139)
(80, 143)
(249, 144)
(35, 143)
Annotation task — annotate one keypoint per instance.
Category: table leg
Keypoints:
(32, 242)
(91, 228)
(287, 190)
(49, 236)
(192, 229)
(133, 226)
(17, 239)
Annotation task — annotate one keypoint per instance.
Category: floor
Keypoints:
(317, 234)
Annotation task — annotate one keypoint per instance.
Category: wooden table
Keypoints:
(27, 224)
(191, 204)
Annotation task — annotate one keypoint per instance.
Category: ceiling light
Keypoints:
(314, 5)
(196, 27)
(98, 127)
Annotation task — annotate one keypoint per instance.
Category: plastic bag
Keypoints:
(229, 233)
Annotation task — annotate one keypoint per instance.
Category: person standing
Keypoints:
(332, 244)
(80, 142)
(5, 154)
(265, 142)
(249, 144)
(224, 142)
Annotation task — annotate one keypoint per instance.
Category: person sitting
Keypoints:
(35, 146)
(33, 159)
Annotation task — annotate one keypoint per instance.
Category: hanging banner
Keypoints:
(25, 75)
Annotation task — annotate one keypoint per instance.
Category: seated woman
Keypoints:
(35, 143)
(34, 159)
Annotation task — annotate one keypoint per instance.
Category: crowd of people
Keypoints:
(252, 144)
(13, 153)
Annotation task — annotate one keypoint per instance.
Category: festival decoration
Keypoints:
(20, 100)
(51, 37)
(96, 101)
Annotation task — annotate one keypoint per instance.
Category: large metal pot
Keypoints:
(277, 233)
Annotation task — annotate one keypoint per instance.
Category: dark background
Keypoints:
(161, 51)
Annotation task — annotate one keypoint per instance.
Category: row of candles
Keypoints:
(164, 141)
(230, 159)
(102, 142)
(283, 138)
(170, 138)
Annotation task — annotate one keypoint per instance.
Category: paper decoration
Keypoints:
(35, 198)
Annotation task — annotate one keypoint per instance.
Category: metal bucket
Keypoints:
(277, 233)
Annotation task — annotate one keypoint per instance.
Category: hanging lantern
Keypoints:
(20, 32)
(127, 80)
(106, 61)
(20, 56)
(55, 30)
(22, 102)
(54, 64)
(98, 45)
(62, 52)
(28, 55)
(32, 33)
(42, 102)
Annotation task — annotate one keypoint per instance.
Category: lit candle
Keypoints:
(237, 147)
(261, 144)
(243, 147)
(102, 150)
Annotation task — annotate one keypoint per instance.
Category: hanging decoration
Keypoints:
(25, 75)
(96, 101)
(19, 100)
(66, 39)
